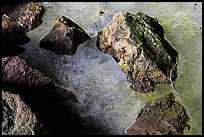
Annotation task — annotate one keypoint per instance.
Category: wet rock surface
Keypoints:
(28, 14)
(64, 37)
(13, 35)
(18, 118)
(160, 117)
(137, 43)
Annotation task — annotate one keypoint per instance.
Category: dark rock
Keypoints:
(137, 43)
(51, 104)
(64, 37)
(101, 13)
(16, 71)
(29, 14)
(164, 116)
(18, 119)
(13, 35)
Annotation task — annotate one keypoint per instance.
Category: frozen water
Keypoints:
(96, 79)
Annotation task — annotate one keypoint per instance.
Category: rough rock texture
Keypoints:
(29, 14)
(12, 36)
(160, 117)
(136, 41)
(18, 119)
(16, 71)
(51, 104)
(64, 37)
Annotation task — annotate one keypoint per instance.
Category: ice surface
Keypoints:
(95, 78)
(97, 81)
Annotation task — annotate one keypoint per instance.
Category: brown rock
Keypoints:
(13, 35)
(137, 43)
(16, 71)
(164, 116)
(50, 103)
(64, 37)
(18, 119)
(29, 14)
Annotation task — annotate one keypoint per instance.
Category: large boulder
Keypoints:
(163, 116)
(64, 37)
(28, 14)
(137, 43)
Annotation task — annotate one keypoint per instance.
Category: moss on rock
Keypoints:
(137, 43)
(162, 116)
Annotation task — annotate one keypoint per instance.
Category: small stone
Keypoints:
(29, 14)
(137, 43)
(64, 37)
(101, 13)
(163, 116)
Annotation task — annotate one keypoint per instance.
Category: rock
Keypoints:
(29, 14)
(50, 103)
(137, 43)
(22, 80)
(164, 116)
(18, 119)
(13, 35)
(64, 37)
(16, 71)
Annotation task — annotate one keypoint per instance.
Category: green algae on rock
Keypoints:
(64, 37)
(162, 116)
(137, 43)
